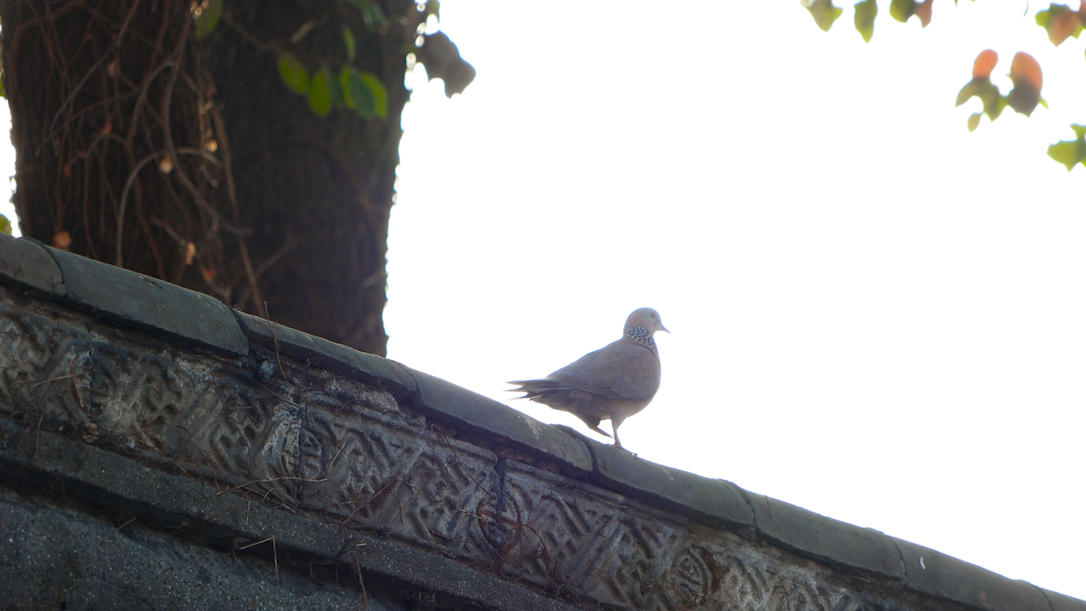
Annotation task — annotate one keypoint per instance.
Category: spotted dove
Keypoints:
(614, 382)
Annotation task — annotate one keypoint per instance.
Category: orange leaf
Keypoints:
(1026, 75)
(923, 11)
(982, 66)
(1062, 26)
(1025, 70)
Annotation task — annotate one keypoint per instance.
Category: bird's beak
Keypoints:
(664, 329)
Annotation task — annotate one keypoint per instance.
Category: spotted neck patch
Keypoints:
(642, 336)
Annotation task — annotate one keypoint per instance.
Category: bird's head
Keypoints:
(646, 318)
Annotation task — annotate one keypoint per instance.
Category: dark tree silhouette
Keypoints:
(173, 146)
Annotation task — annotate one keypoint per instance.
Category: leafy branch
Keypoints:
(325, 87)
(1059, 21)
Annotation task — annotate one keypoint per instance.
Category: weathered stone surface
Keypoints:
(57, 558)
(935, 573)
(149, 304)
(715, 501)
(433, 489)
(1060, 602)
(824, 538)
(25, 264)
(462, 408)
(335, 357)
(319, 445)
(171, 501)
(436, 574)
(227, 520)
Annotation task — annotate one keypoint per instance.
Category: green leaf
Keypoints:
(824, 13)
(319, 95)
(208, 18)
(974, 120)
(344, 77)
(338, 91)
(1070, 152)
(971, 89)
(348, 41)
(1060, 22)
(365, 94)
(379, 93)
(5, 225)
(994, 103)
(293, 73)
(1065, 152)
(358, 96)
(866, 10)
(1043, 18)
(901, 10)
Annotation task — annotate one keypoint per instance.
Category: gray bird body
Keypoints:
(612, 383)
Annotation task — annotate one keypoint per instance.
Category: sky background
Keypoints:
(876, 315)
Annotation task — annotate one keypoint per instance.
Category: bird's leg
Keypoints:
(614, 427)
(593, 424)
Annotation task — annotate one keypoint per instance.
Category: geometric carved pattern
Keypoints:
(337, 450)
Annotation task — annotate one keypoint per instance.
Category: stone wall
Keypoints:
(159, 450)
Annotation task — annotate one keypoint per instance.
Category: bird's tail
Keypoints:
(534, 388)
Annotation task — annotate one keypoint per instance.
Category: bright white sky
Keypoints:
(876, 315)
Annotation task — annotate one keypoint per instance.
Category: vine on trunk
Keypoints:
(126, 149)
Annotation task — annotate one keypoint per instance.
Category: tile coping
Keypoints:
(155, 307)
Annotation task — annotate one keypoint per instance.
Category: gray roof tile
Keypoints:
(932, 572)
(447, 402)
(826, 539)
(327, 354)
(26, 264)
(124, 296)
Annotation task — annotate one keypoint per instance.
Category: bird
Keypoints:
(612, 383)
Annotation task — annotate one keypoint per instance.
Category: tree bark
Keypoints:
(317, 191)
(112, 135)
(123, 157)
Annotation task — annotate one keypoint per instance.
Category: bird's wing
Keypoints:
(621, 369)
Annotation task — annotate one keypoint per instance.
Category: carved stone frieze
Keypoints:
(311, 442)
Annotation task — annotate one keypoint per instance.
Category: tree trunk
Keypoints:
(316, 190)
(301, 223)
(112, 136)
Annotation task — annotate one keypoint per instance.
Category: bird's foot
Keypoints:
(620, 447)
